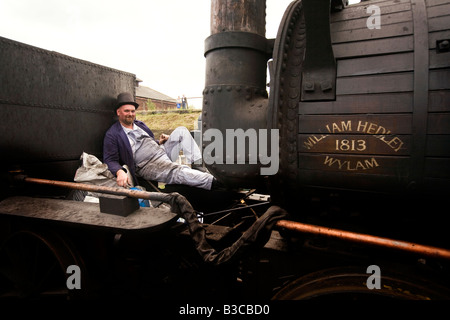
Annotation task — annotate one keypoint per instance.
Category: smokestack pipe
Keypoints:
(235, 95)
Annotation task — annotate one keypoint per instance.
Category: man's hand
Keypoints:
(122, 179)
(163, 138)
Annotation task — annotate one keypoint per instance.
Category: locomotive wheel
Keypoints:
(33, 265)
(349, 283)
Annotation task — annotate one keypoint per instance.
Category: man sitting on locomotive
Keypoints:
(130, 142)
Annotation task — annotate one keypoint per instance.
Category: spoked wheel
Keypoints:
(33, 265)
(350, 283)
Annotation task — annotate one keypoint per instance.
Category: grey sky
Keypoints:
(162, 42)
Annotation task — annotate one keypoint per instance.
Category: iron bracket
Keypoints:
(319, 69)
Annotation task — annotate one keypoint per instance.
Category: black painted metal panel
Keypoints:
(54, 107)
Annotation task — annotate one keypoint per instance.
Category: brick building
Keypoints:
(149, 99)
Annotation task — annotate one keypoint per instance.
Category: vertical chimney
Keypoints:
(235, 95)
(238, 15)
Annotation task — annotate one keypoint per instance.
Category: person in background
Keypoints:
(184, 102)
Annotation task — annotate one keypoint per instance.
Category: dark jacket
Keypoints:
(117, 149)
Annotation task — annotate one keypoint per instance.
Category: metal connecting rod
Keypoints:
(428, 251)
(92, 188)
(365, 239)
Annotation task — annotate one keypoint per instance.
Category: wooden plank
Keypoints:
(438, 11)
(354, 181)
(387, 31)
(380, 3)
(375, 64)
(437, 168)
(438, 123)
(356, 124)
(438, 35)
(439, 101)
(437, 186)
(359, 10)
(355, 144)
(439, 60)
(401, 82)
(387, 18)
(438, 146)
(432, 3)
(439, 23)
(373, 165)
(373, 47)
(439, 79)
(375, 103)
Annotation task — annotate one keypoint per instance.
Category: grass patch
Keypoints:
(166, 122)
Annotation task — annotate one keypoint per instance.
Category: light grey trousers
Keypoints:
(153, 163)
(181, 139)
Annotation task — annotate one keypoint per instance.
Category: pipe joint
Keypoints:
(238, 39)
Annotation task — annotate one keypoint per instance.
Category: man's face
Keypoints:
(126, 114)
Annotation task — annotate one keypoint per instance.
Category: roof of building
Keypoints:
(146, 92)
